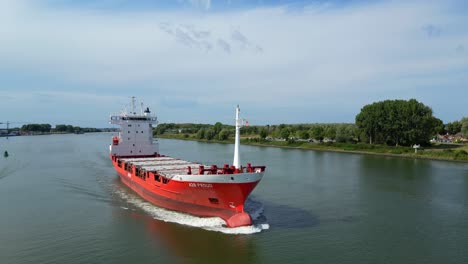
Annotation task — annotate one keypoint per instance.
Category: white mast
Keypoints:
(236, 162)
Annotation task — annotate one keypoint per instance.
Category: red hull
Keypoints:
(206, 199)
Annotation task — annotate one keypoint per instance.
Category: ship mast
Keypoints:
(236, 162)
(133, 105)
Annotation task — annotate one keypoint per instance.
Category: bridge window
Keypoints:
(135, 118)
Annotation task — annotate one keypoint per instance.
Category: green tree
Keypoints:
(454, 127)
(303, 134)
(45, 128)
(368, 120)
(263, 133)
(70, 129)
(249, 130)
(201, 133)
(330, 131)
(464, 128)
(345, 133)
(284, 133)
(223, 134)
(217, 127)
(397, 122)
(210, 134)
(317, 132)
(60, 128)
(440, 127)
(276, 133)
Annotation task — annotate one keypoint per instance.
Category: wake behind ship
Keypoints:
(177, 184)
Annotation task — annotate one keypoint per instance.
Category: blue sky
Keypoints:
(75, 62)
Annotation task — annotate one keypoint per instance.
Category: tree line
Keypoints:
(455, 127)
(390, 122)
(61, 128)
(333, 132)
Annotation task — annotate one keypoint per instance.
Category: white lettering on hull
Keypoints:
(200, 185)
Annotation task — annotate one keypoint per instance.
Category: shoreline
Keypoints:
(406, 156)
(326, 149)
(54, 133)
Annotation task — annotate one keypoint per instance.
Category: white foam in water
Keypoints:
(254, 208)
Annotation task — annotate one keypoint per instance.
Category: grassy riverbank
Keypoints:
(437, 152)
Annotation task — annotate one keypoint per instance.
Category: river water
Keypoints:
(62, 202)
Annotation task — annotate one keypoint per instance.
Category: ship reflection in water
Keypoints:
(175, 237)
(186, 244)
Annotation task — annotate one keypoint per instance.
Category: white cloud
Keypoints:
(205, 4)
(313, 59)
(190, 36)
(224, 45)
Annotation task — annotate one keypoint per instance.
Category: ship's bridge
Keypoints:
(136, 133)
(120, 119)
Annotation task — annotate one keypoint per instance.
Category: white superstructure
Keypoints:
(136, 133)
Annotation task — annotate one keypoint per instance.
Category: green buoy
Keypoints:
(5, 154)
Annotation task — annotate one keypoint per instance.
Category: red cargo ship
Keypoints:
(177, 184)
